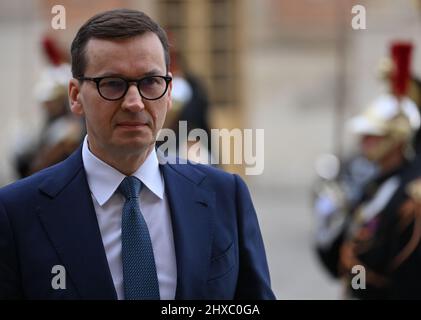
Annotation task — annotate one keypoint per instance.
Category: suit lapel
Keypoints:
(68, 216)
(192, 220)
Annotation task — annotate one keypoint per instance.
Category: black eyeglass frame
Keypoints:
(97, 80)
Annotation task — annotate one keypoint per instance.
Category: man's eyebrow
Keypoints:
(153, 72)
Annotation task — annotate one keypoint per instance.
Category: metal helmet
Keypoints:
(53, 83)
(395, 119)
(54, 79)
(392, 116)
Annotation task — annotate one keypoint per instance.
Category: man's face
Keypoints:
(129, 125)
(376, 148)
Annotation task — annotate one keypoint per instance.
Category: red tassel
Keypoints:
(51, 51)
(401, 56)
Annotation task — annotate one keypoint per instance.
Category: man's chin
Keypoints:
(138, 145)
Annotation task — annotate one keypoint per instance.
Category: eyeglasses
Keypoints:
(115, 88)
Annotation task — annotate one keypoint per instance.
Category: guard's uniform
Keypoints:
(377, 250)
(388, 244)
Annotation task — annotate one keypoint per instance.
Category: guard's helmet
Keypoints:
(394, 119)
(53, 83)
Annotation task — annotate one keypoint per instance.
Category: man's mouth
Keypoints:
(132, 124)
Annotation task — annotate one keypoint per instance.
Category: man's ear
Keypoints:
(74, 97)
(169, 106)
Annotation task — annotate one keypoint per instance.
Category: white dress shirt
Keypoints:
(103, 182)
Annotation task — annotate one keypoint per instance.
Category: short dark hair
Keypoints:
(114, 24)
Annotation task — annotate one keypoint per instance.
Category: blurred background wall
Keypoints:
(294, 68)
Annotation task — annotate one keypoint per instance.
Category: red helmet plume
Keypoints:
(401, 56)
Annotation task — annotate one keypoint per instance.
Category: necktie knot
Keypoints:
(130, 187)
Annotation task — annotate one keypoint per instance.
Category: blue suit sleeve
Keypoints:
(9, 279)
(254, 279)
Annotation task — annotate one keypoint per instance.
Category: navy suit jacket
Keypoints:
(49, 219)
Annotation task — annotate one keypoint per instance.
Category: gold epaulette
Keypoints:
(413, 190)
(410, 214)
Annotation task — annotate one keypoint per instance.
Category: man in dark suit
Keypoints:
(110, 221)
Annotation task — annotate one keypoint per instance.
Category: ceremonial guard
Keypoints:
(376, 245)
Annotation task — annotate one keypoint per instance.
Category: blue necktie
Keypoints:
(139, 271)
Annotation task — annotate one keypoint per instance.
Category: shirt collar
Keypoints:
(103, 180)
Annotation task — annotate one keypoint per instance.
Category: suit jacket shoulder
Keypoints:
(50, 180)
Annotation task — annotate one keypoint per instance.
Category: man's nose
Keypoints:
(133, 100)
